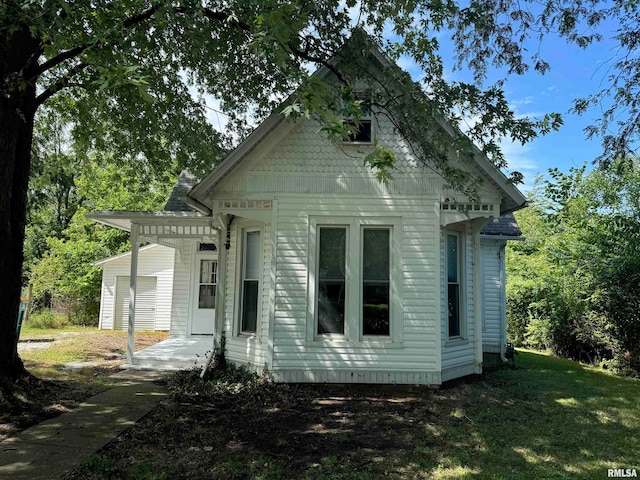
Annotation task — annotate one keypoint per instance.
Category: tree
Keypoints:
(573, 283)
(126, 71)
(62, 270)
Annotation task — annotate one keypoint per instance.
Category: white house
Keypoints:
(324, 274)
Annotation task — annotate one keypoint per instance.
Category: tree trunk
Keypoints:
(17, 112)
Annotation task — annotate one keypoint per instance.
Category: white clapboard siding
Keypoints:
(145, 303)
(181, 288)
(493, 291)
(153, 260)
(415, 350)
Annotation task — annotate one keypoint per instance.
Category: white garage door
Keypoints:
(145, 303)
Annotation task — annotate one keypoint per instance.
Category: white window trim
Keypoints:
(241, 234)
(353, 279)
(462, 297)
(371, 118)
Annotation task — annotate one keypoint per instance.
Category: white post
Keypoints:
(221, 285)
(478, 283)
(133, 283)
(218, 320)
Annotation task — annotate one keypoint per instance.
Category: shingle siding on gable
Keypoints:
(299, 159)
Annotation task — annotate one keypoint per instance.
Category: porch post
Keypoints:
(133, 284)
(220, 286)
(478, 302)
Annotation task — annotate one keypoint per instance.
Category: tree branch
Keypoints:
(74, 52)
(58, 85)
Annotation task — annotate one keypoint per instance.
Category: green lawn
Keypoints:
(549, 418)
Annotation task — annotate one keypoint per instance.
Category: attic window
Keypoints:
(364, 133)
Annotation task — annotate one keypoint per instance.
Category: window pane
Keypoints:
(452, 258)
(375, 281)
(375, 254)
(331, 263)
(252, 256)
(207, 296)
(207, 271)
(331, 280)
(250, 306)
(453, 296)
(375, 308)
(330, 306)
(362, 134)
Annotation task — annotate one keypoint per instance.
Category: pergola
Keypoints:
(167, 228)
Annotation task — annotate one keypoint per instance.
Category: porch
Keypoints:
(173, 354)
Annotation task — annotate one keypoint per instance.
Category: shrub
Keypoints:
(46, 319)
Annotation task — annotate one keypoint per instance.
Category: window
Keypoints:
(207, 287)
(364, 133)
(453, 284)
(207, 247)
(249, 285)
(354, 277)
(375, 281)
(331, 280)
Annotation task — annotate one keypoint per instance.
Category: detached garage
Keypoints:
(154, 290)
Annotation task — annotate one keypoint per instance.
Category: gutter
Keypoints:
(201, 207)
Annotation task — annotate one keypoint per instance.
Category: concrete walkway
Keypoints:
(53, 447)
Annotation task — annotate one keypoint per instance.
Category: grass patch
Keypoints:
(80, 344)
(550, 418)
(57, 389)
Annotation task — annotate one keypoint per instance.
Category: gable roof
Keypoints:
(102, 261)
(513, 199)
(177, 199)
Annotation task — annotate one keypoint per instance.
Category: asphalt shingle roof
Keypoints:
(177, 202)
(505, 226)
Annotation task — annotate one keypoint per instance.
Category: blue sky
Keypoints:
(574, 73)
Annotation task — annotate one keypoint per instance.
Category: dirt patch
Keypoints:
(282, 431)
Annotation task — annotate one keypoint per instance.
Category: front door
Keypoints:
(203, 309)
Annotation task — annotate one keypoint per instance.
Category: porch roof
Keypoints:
(123, 219)
(161, 227)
